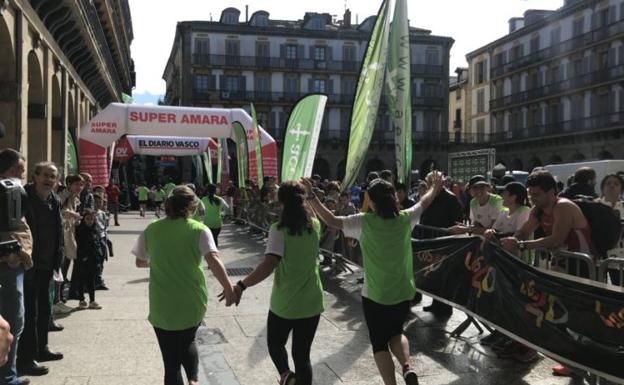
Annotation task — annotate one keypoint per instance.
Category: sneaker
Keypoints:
(82, 305)
(288, 378)
(95, 305)
(410, 376)
(60, 308)
(526, 357)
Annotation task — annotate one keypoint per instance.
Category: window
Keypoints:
(578, 26)
(515, 84)
(291, 84)
(577, 106)
(458, 118)
(481, 130)
(555, 36)
(535, 44)
(263, 49)
(348, 53)
(480, 75)
(432, 120)
(348, 86)
(480, 101)
(231, 83)
(319, 53)
(201, 82)
(291, 52)
(458, 94)
(230, 18)
(263, 83)
(499, 59)
(319, 85)
(202, 46)
(432, 57)
(517, 52)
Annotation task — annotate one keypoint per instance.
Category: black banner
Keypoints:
(576, 323)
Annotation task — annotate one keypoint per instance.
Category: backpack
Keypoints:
(604, 224)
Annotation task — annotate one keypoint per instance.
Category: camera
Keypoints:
(11, 194)
(9, 247)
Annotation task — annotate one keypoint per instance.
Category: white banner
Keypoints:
(168, 145)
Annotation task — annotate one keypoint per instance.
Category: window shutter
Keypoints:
(282, 51)
(329, 53)
(242, 83)
(612, 14)
(300, 51)
(310, 85)
(612, 56)
(311, 50)
(330, 86)
(213, 82)
(222, 82)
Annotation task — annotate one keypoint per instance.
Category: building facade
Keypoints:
(273, 63)
(61, 61)
(551, 90)
(459, 101)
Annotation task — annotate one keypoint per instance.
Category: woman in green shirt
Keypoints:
(385, 240)
(213, 206)
(173, 249)
(159, 198)
(297, 297)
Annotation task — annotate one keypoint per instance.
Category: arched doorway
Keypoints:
(58, 129)
(535, 162)
(321, 167)
(8, 80)
(604, 155)
(37, 149)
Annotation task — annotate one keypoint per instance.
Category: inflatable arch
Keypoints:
(165, 130)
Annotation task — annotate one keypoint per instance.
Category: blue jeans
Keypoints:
(12, 310)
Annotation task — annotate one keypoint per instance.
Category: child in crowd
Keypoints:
(88, 255)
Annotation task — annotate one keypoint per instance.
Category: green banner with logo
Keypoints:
(257, 148)
(398, 90)
(242, 152)
(207, 165)
(367, 95)
(72, 155)
(302, 133)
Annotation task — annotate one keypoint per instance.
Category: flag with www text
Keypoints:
(368, 94)
(257, 147)
(398, 90)
(240, 137)
(302, 133)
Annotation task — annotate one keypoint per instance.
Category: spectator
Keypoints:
(584, 184)
(13, 166)
(421, 189)
(106, 247)
(611, 189)
(562, 221)
(387, 176)
(86, 195)
(355, 192)
(44, 219)
(444, 211)
(333, 190)
(345, 206)
(70, 201)
(365, 199)
(404, 201)
(485, 207)
(172, 248)
(113, 192)
(90, 254)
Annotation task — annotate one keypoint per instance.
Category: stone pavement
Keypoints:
(116, 345)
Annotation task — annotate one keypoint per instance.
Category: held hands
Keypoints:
(490, 234)
(509, 243)
(307, 184)
(437, 182)
(229, 296)
(459, 228)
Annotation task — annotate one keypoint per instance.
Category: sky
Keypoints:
(471, 23)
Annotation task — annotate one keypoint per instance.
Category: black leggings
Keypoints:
(384, 322)
(303, 330)
(215, 235)
(178, 349)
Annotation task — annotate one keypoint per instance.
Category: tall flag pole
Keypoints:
(242, 153)
(398, 90)
(302, 134)
(368, 94)
(220, 159)
(208, 165)
(258, 147)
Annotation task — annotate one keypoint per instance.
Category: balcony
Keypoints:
(574, 43)
(564, 86)
(568, 127)
(260, 62)
(427, 69)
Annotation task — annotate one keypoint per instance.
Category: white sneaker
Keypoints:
(60, 308)
(82, 305)
(94, 305)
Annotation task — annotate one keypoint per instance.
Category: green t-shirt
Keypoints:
(297, 288)
(212, 214)
(159, 195)
(178, 296)
(169, 187)
(143, 193)
(387, 254)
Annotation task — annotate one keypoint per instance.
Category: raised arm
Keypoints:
(435, 186)
(325, 214)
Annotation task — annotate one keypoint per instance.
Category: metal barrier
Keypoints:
(568, 262)
(612, 269)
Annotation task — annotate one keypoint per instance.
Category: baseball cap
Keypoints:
(477, 180)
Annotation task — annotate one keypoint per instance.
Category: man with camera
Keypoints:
(15, 249)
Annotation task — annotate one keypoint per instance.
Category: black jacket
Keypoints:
(444, 211)
(578, 189)
(32, 219)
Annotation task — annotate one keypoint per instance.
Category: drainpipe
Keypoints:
(18, 79)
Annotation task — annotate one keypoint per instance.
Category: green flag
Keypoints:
(72, 156)
(258, 147)
(367, 95)
(302, 133)
(242, 152)
(126, 99)
(207, 165)
(398, 90)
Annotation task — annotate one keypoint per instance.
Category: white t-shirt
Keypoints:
(618, 251)
(488, 213)
(275, 242)
(352, 224)
(206, 245)
(509, 224)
